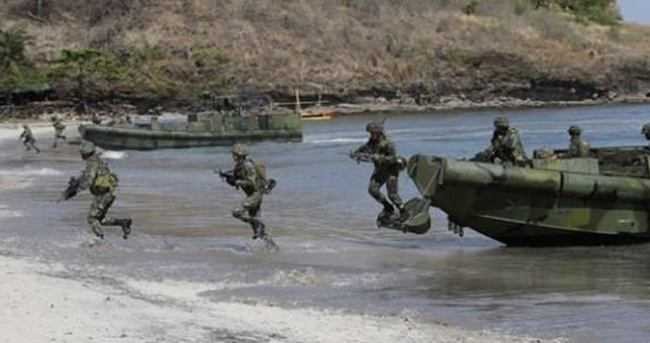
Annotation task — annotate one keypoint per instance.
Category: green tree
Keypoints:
(17, 73)
(88, 72)
(13, 46)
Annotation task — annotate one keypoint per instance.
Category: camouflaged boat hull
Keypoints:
(551, 203)
(144, 139)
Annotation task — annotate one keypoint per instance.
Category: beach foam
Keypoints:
(114, 155)
(6, 212)
(31, 172)
(340, 140)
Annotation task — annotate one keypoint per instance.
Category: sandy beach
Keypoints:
(41, 303)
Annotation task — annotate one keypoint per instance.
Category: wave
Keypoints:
(6, 212)
(114, 155)
(336, 140)
(31, 172)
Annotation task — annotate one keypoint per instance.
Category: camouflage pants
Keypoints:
(58, 135)
(377, 180)
(249, 210)
(31, 144)
(97, 214)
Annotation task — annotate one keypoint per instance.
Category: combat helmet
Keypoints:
(574, 130)
(87, 148)
(375, 126)
(645, 129)
(239, 150)
(501, 122)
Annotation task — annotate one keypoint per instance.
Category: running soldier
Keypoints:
(102, 183)
(27, 137)
(250, 177)
(59, 128)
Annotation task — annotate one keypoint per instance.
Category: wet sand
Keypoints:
(42, 303)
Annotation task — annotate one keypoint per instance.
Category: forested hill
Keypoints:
(429, 50)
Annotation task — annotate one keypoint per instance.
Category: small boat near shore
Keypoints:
(220, 127)
(600, 200)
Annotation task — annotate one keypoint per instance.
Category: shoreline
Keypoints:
(39, 112)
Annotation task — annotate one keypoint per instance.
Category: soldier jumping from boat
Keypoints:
(250, 177)
(102, 183)
(381, 151)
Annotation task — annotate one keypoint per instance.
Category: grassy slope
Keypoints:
(427, 47)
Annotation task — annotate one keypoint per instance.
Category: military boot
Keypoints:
(387, 212)
(259, 230)
(126, 227)
(98, 232)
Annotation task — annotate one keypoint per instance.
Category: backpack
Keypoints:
(265, 183)
(105, 181)
(260, 170)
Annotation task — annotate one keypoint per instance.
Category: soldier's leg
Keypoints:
(376, 181)
(248, 211)
(96, 215)
(392, 185)
(33, 145)
(124, 223)
(259, 229)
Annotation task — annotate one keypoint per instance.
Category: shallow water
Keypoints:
(331, 254)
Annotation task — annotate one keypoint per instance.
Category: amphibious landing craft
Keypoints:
(600, 200)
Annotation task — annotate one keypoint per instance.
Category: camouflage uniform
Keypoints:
(387, 168)
(59, 127)
(247, 178)
(506, 145)
(577, 146)
(645, 130)
(103, 193)
(28, 139)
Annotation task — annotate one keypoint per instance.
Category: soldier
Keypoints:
(645, 130)
(28, 139)
(381, 152)
(59, 127)
(102, 183)
(247, 176)
(577, 146)
(506, 145)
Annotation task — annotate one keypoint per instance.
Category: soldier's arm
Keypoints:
(517, 147)
(364, 149)
(88, 175)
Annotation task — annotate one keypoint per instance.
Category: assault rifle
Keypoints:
(229, 177)
(71, 190)
(361, 157)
